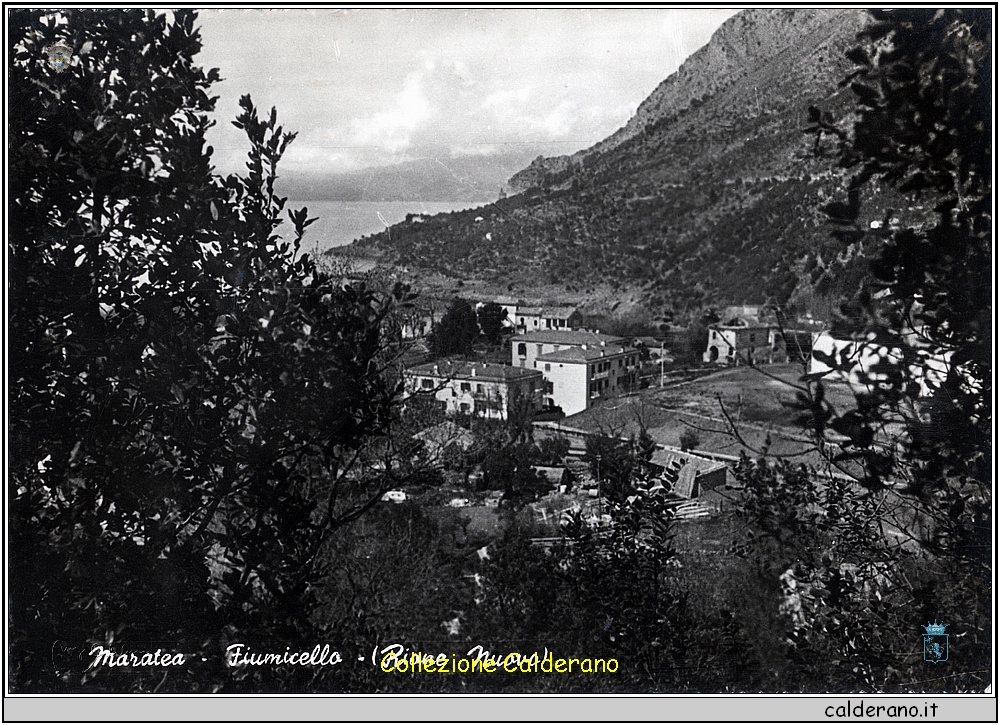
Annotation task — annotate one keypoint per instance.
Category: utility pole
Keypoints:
(600, 493)
(661, 366)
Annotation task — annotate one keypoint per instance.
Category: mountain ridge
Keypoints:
(711, 194)
(713, 67)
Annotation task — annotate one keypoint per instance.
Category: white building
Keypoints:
(533, 319)
(745, 341)
(474, 388)
(578, 377)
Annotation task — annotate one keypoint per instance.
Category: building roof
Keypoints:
(562, 311)
(585, 354)
(741, 323)
(468, 370)
(686, 467)
(558, 311)
(665, 457)
(568, 337)
(758, 314)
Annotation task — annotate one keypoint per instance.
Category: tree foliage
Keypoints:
(855, 586)
(491, 317)
(187, 391)
(552, 451)
(610, 592)
(616, 463)
(899, 535)
(457, 331)
(509, 468)
(923, 101)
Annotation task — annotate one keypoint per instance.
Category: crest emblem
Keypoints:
(59, 55)
(935, 643)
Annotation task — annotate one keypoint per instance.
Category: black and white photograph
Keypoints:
(480, 351)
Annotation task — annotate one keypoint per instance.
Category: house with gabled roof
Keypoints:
(745, 341)
(579, 377)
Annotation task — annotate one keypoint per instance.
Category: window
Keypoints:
(466, 387)
(479, 388)
(464, 407)
(522, 349)
(548, 367)
(538, 349)
(548, 387)
(426, 383)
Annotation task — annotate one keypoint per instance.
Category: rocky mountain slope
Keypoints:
(710, 195)
(750, 39)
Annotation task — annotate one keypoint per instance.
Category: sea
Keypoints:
(341, 222)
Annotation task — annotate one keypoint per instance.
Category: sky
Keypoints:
(374, 87)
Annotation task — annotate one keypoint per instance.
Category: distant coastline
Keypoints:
(342, 222)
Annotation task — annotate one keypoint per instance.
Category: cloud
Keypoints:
(559, 122)
(461, 70)
(379, 86)
(503, 100)
(392, 130)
